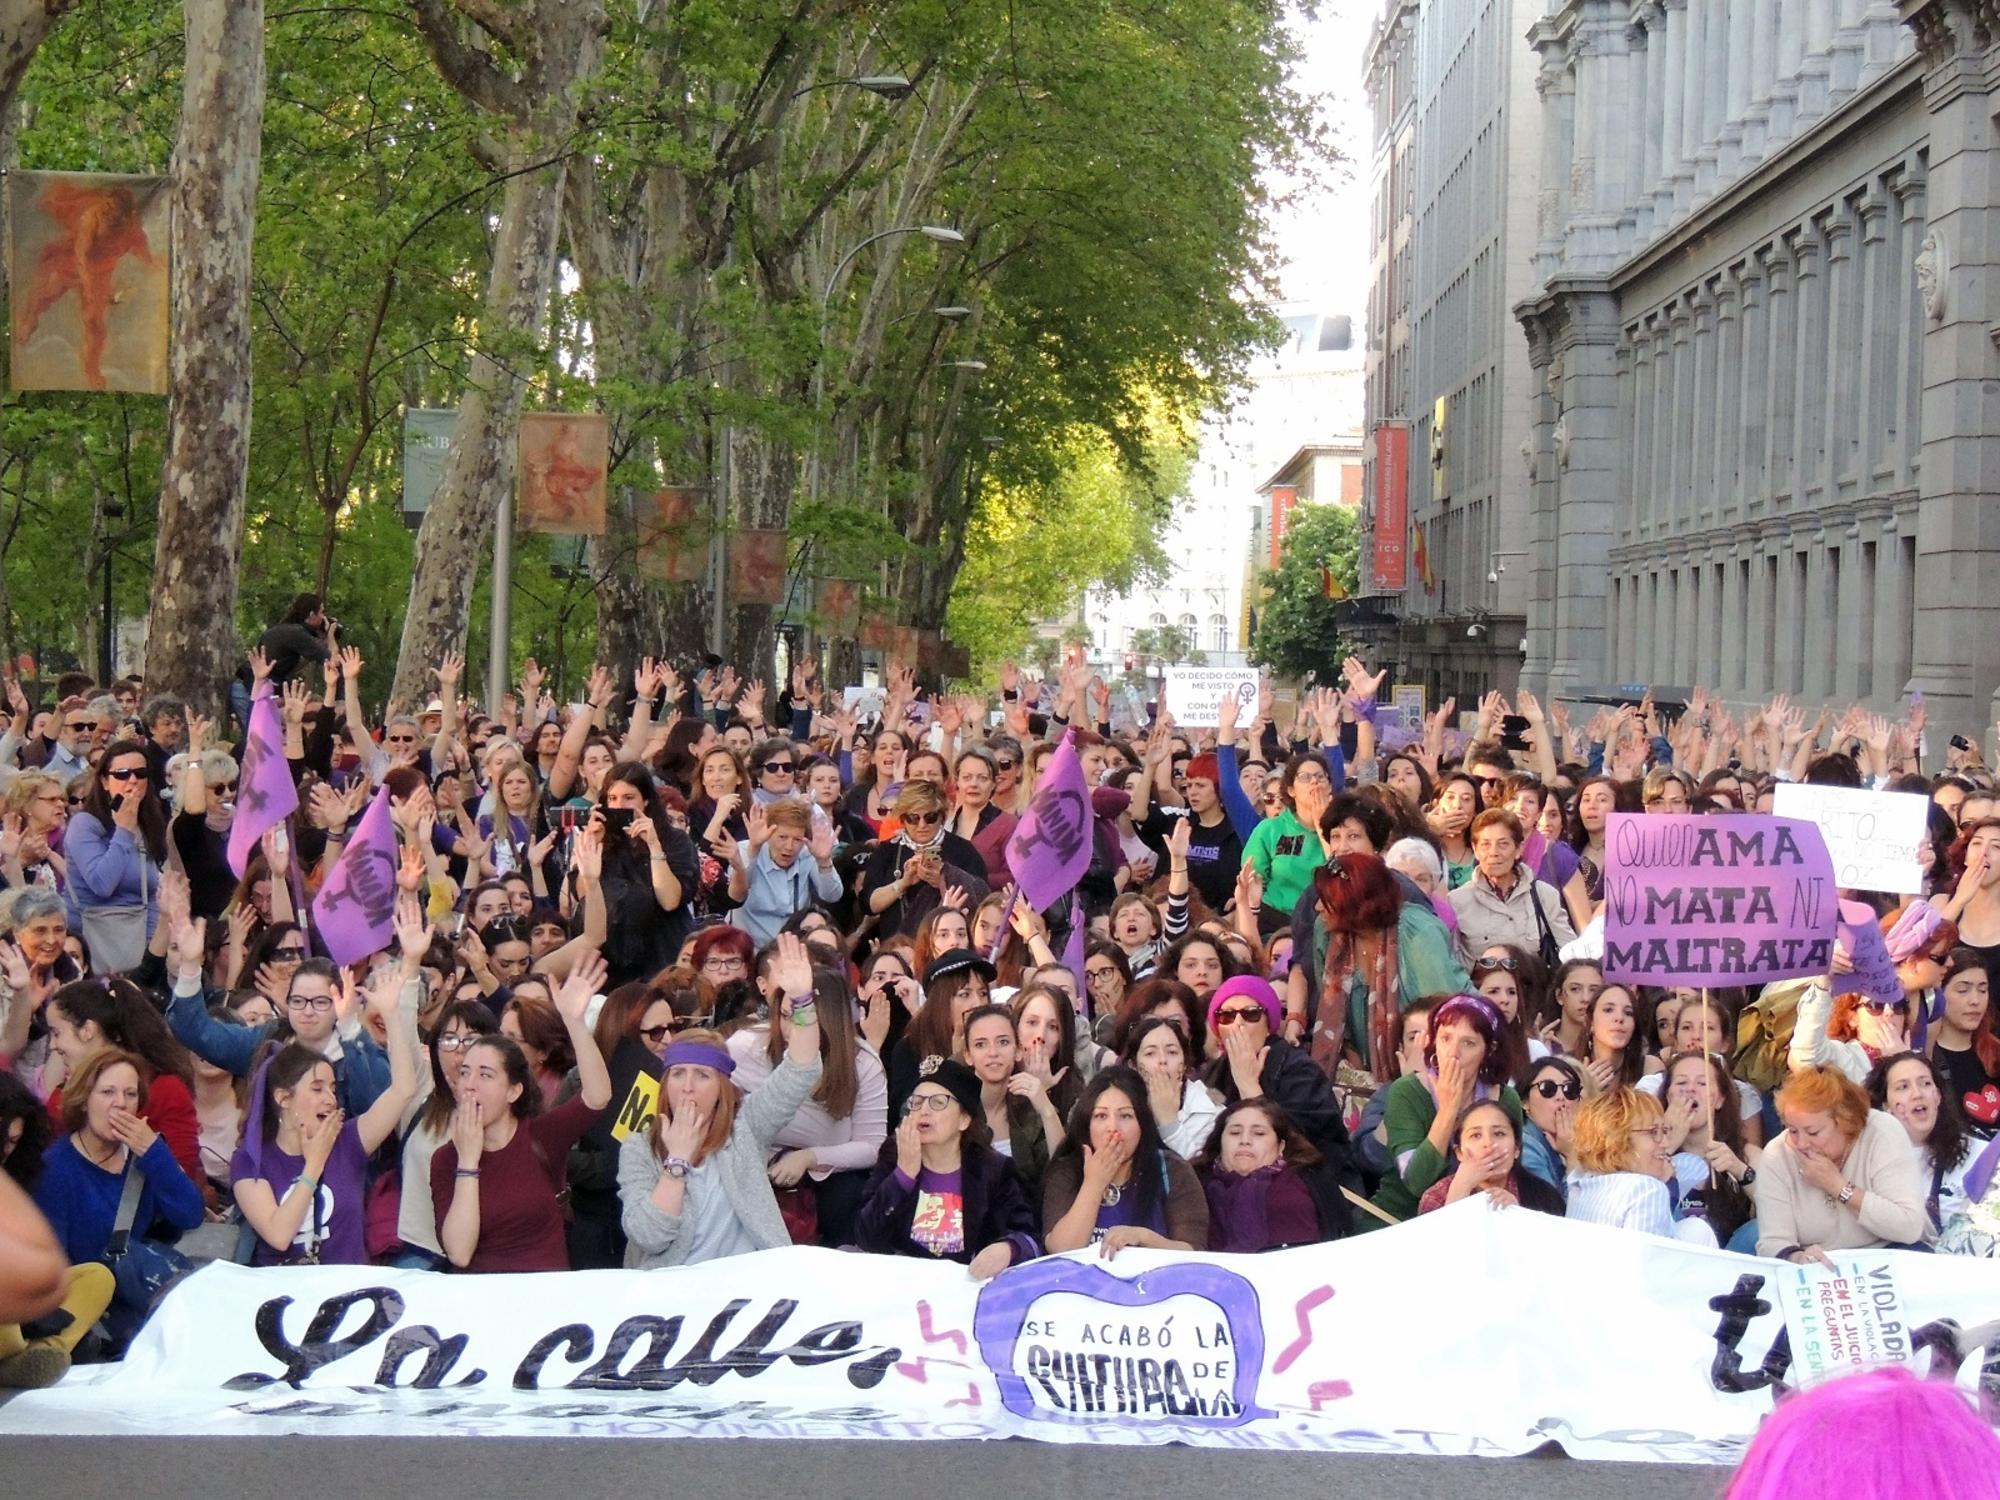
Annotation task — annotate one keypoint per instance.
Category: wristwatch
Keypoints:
(1847, 1192)
(677, 1169)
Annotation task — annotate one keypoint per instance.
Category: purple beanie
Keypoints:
(1245, 984)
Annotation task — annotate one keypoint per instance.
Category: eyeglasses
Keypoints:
(1103, 971)
(934, 1103)
(779, 767)
(309, 1002)
(1229, 1015)
(1549, 1088)
(457, 1043)
(1507, 965)
(726, 963)
(292, 955)
(1885, 1007)
(226, 789)
(922, 820)
(652, 1036)
(1652, 1132)
(133, 773)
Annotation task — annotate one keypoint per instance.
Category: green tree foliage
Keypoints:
(1100, 160)
(1298, 627)
(1035, 545)
(1171, 645)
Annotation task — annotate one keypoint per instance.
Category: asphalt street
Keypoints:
(303, 1468)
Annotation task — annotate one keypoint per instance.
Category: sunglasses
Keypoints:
(1549, 1088)
(1506, 965)
(139, 774)
(1007, 765)
(226, 789)
(776, 767)
(294, 955)
(922, 820)
(652, 1036)
(401, 739)
(1229, 1015)
(82, 728)
(1886, 1007)
(1483, 782)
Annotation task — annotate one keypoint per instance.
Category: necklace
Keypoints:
(104, 1163)
(1112, 1194)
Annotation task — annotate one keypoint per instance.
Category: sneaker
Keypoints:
(36, 1366)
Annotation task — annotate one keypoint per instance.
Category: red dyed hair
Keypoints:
(1357, 893)
(735, 939)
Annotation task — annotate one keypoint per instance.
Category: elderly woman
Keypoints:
(783, 867)
(1839, 1176)
(1465, 1059)
(1503, 902)
(908, 874)
(1622, 1173)
(31, 850)
(694, 1184)
(940, 1190)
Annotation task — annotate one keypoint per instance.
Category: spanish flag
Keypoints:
(1422, 556)
(1330, 586)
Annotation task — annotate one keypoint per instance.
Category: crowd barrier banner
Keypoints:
(1468, 1331)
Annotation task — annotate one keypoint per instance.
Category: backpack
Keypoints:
(1764, 1035)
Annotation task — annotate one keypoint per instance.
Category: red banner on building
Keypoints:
(1283, 500)
(1389, 572)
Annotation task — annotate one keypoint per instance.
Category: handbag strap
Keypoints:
(128, 1206)
(1541, 917)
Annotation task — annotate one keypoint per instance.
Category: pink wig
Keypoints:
(1881, 1435)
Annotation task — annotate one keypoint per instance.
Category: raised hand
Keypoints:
(586, 980)
(792, 972)
(449, 670)
(751, 704)
(410, 873)
(758, 825)
(587, 855)
(1361, 686)
(350, 665)
(413, 931)
(260, 667)
(820, 843)
(297, 699)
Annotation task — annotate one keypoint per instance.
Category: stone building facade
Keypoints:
(1764, 338)
(1456, 133)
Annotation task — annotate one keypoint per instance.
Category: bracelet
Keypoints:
(310, 1182)
(466, 1172)
(1847, 1192)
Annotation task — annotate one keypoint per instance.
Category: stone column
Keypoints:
(1764, 21)
(1660, 506)
(1849, 50)
(1680, 489)
(1843, 342)
(1875, 377)
(1911, 323)
(1853, 636)
(1742, 24)
(1958, 525)
(1701, 433)
(1694, 76)
(1727, 487)
(1673, 100)
(1753, 435)
(1643, 429)
(1781, 342)
(1891, 649)
(1635, 222)
(1808, 375)
(1816, 68)
(1786, 674)
(1553, 86)
(1788, 53)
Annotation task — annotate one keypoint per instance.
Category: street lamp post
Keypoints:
(943, 234)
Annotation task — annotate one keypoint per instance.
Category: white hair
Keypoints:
(1415, 857)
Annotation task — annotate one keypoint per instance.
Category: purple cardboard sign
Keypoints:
(1069, 1341)
(1874, 970)
(1736, 899)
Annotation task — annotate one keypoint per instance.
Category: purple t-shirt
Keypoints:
(939, 1222)
(337, 1221)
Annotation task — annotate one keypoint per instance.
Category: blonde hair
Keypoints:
(720, 1124)
(28, 785)
(788, 812)
(918, 796)
(1604, 1126)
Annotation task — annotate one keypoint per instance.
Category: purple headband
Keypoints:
(699, 1055)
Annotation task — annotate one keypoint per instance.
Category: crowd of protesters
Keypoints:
(686, 968)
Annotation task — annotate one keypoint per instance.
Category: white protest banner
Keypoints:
(1873, 836)
(1841, 1321)
(1193, 694)
(865, 702)
(1320, 1348)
